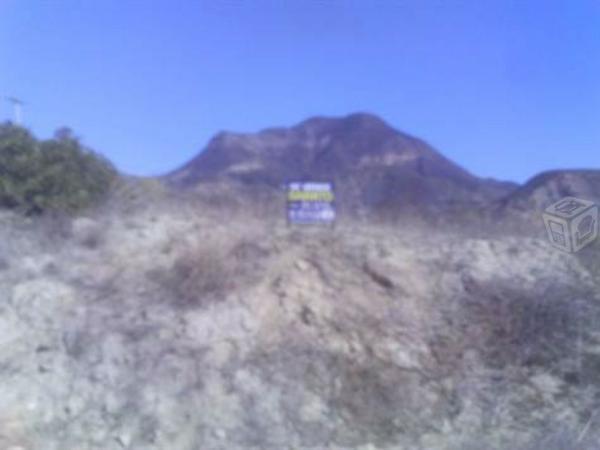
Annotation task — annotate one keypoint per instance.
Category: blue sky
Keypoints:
(504, 88)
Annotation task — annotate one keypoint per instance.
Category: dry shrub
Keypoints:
(557, 436)
(88, 233)
(205, 272)
(54, 226)
(198, 276)
(540, 328)
(93, 240)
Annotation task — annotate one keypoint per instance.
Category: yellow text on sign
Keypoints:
(310, 196)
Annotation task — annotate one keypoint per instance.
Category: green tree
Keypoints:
(58, 174)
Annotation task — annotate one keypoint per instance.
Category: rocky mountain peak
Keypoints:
(372, 163)
(357, 122)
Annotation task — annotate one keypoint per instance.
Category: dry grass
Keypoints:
(527, 329)
(198, 276)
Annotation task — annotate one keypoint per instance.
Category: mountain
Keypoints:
(373, 165)
(549, 187)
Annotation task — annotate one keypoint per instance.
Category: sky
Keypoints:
(504, 88)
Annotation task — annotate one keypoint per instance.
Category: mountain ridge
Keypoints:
(375, 165)
(376, 168)
(550, 186)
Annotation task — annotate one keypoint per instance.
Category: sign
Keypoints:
(310, 202)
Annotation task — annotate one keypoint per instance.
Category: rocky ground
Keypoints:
(181, 328)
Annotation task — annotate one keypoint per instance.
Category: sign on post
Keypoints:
(310, 202)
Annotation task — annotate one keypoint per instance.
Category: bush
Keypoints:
(199, 276)
(55, 175)
(561, 437)
(544, 328)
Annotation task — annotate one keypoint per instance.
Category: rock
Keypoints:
(302, 265)
(220, 433)
(87, 232)
(379, 274)
(41, 302)
(548, 384)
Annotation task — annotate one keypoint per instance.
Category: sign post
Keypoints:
(310, 202)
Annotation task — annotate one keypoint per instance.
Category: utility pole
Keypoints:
(17, 109)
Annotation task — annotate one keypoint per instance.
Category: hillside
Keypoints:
(174, 326)
(549, 187)
(375, 167)
(183, 313)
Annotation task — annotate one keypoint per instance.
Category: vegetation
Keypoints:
(54, 175)
(198, 276)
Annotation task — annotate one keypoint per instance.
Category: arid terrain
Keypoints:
(193, 318)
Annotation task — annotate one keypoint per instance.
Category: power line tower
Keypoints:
(17, 109)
